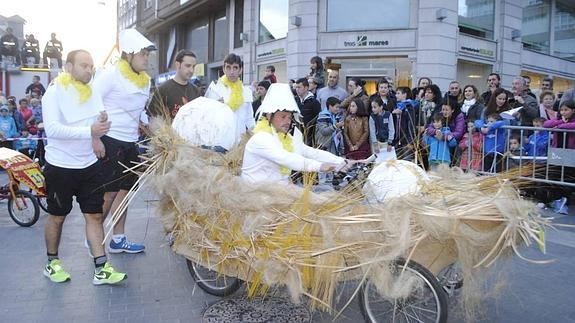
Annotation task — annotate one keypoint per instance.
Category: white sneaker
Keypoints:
(541, 205)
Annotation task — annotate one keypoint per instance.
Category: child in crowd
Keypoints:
(270, 74)
(381, 127)
(493, 142)
(537, 143)
(328, 129)
(8, 127)
(317, 72)
(405, 113)
(471, 146)
(565, 120)
(439, 143)
(356, 131)
(26, 144)
(514, 149)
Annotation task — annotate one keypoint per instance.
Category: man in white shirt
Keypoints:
(230, 90)
(125, 89)
(272, 153)
(74, 121)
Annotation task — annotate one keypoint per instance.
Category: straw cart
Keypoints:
(391, 247)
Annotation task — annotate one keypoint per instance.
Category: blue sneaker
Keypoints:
(125, 246)
(559, 205)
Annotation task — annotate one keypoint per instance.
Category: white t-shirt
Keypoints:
(264, 156)
(123, 101)
(244, 114)
(68, 126)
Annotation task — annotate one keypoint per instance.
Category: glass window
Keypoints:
(476, 17)
(281, 71)
(473, 73)
(561, 85)
(221, 40)
(273, 20)
(564, 29)
(197, 40)
(369, 15)
(372, 69)
(238, 23)
(535, 27)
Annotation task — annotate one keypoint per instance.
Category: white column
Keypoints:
(437, 42)
(302, 40)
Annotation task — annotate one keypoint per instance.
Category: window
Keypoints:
(221, 38)
(197, 40)
(148, 4)
(281, 71)
(367, 15)
(535, 27)
(476, 17)
(273, 20)
(127, 13)
(473, 73)
(564, 29)
(238, 23)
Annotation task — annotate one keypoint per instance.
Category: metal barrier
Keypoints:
(551, 165)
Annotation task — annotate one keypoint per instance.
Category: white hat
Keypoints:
(131, 41)
(279, 97)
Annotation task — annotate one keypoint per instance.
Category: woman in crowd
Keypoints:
(472, 106)
(498, 103)
(356, 131)
(317, 72)
(422, 83)
(546, 101)
(356, 91)
(429, 106)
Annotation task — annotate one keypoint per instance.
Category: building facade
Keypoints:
(445, 40)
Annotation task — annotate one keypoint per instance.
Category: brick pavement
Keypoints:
(160, 289)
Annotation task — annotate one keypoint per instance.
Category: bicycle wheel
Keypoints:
(43, 203)
(426, 302)
(213, 282)
(24, 210)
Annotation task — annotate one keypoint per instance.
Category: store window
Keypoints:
(273, 20)
(373, 69)
(476, 17)
(238, 23)
(564, 29)
(197, 38)
(473, 73)
(367, 15)
(281, 71)
(535, 27)
(561, 85)
(221, 38)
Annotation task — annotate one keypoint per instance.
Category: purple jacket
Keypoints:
(557, 136)
(456, 125)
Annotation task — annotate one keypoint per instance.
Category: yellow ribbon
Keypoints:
(237, 95)
(263, 125)
(84, 90)
(140, 80)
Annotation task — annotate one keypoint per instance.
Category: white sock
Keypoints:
(118, 237)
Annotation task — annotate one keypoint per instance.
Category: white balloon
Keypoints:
(204, 121)
(392, 179)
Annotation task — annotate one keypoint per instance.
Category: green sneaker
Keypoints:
(55, 272)
(107, 275)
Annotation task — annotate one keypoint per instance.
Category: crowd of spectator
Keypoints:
(21, 126)
(459, 127)
(28, 54)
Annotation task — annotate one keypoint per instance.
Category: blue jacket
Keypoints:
(439, 149)
(537, 145)
(494, 140)
(8, 126)
(25, 143)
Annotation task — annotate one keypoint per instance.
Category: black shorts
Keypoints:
(118, 153)
(64, 183)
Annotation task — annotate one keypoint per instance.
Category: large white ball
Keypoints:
(204, 121)
(392, 179)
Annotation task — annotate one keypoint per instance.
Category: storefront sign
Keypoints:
(479, 51)
(273, 52)
(476, 47)
(363, 41)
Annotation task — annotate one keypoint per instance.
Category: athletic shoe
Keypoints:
(107, 275)
(55, 272)
(87, 246)
(563, 210)
(559, 204)
(125, 246)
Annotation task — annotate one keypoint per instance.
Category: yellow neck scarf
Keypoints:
(237, 95)
(84, 90)
(263, 125)
(140, 80)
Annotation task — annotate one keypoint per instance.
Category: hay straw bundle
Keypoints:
(275, 235)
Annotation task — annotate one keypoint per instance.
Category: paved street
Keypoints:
(160, 289)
